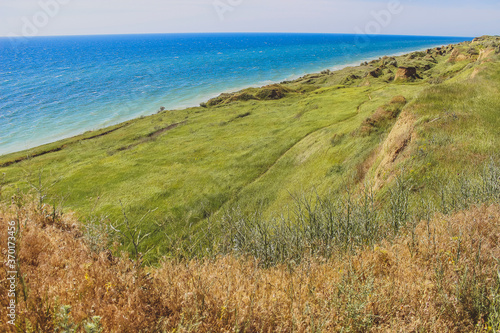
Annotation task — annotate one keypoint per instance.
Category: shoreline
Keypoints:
(298, 76)
(196, 103)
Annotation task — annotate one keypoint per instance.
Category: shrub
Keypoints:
(271, 92)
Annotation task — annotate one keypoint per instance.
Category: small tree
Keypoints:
(132, 233)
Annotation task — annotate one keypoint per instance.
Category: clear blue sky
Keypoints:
(408, 17)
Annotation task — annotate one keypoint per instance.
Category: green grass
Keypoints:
(193, 169)
(257, 154)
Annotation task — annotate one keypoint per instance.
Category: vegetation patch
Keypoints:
(277, 142)
(323, 204)
(446, 268)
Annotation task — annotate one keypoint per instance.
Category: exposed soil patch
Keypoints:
(393, 148)
(151, 136)
(406, 73)
(104, 133)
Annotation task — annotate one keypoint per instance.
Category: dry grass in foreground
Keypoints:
(443, 277)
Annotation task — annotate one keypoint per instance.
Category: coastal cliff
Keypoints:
(363, 199)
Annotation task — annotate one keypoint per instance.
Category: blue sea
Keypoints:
(56, 87)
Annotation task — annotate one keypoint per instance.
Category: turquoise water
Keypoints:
(56, 87)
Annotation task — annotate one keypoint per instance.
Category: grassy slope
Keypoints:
(191, 163)
(455, 126)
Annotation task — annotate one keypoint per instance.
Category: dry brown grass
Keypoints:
(60, 269)
(436, 278)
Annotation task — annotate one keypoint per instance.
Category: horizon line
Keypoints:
(235, 32)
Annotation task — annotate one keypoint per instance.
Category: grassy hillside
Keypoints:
(362, 200)
(433, 114)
